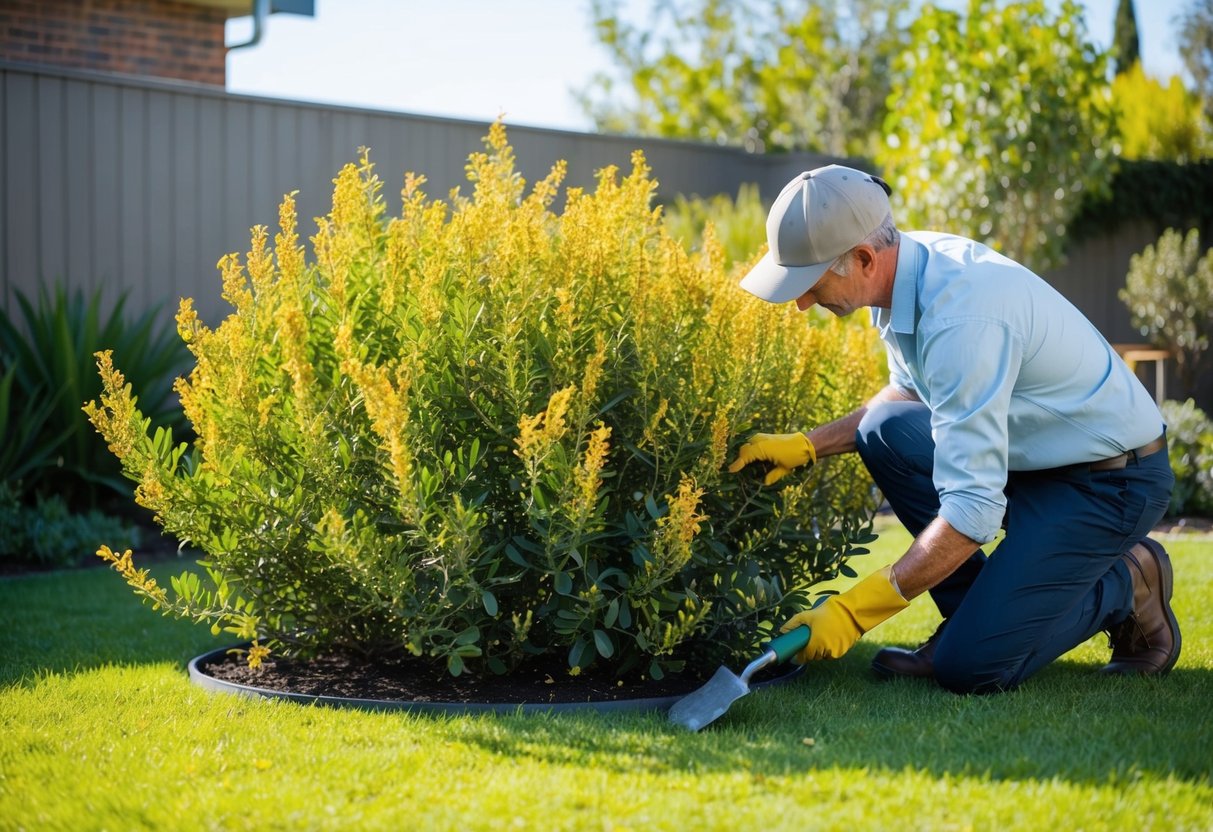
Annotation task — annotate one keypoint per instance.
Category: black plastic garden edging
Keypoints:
(662, 703)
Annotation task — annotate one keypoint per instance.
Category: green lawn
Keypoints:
(100, 728)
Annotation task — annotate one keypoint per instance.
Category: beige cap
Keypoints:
(819, 215)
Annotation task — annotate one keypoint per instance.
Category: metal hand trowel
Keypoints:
(707, 704)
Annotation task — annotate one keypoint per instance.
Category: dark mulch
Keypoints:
(404, 678)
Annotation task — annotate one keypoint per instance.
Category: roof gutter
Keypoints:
(261, 10)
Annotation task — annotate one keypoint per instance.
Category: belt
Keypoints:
(1115, 463)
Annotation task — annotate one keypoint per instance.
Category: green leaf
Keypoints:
(454, 664)
(490, 602)
(469, 636)
(651, 507)
(625, 614)
(847, 571)
(563, 583)
(603, 643)
(513, 554)
(579, 653)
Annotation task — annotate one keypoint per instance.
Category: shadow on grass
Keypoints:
(1068, 723)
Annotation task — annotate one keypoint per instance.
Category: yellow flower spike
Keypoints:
(235, 284)
(587, 478)
(530, 437)
(286, 243)
(260, 269)
(653, 428)
(592, 374)
(188, 325)
(558, 406)
(256, 654)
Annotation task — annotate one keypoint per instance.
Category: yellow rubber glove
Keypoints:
(841, 619)
(785, 450)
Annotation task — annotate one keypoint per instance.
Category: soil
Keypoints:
(404, 678)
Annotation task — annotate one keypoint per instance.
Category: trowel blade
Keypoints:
(707, 704)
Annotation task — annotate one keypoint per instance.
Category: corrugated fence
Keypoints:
(142, 185)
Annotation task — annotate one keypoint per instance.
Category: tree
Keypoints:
(1195, 27)
(1128, 45)
(1003, 122)
(771, 75)
(1169, 292)
(1165, 123)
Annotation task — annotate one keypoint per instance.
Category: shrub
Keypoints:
(482, 431)
(739, 225)
(1190, 447)
(46, 359)
(49, 534)
(1169, 292)
(1159, 122)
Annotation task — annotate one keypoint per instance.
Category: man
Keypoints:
(1005, 408)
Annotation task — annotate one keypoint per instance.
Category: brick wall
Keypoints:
(155, 38)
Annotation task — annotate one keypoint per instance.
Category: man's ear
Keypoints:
(865, 256)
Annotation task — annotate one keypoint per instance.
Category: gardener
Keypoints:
(1004, 408)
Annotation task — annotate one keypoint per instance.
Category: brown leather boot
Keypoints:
(1147, 642)
(891, 662)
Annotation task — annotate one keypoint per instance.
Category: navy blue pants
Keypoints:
(1056, 579)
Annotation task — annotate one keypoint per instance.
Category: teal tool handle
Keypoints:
(790, 643)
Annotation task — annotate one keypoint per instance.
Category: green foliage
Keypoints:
(1003, 123)
(1160, 122)
(25, 409)
(1190, 446)
(49, 534)
(46, 361)
(740, 225)
(767, 76)
(1167, 194)
(1169, 292)
(1128, 46)
(1195, 29)
(481, 431)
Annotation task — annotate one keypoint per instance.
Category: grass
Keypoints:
(101, 729)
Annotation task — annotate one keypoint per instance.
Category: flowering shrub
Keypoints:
(739, 225)
(482, 431)
(1190, 446)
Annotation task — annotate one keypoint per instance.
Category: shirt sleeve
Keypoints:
(972, 365)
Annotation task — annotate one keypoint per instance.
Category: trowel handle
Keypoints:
(790, 643)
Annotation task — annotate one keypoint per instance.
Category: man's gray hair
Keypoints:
(885, 236)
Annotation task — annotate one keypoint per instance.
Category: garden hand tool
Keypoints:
(784, 450)
(839, 621)
(709, 702)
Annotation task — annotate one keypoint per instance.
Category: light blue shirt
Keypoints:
(1016, 378)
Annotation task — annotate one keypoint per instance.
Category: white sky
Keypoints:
(475, 59)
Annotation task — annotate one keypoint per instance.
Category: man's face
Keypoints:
(841, 295)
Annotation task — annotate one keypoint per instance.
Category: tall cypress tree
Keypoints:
(1128, 47)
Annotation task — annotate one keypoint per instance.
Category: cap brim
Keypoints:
(780, 284)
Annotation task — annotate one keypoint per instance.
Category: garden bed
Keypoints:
(402, 681)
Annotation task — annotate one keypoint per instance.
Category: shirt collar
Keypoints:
(910, 261)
